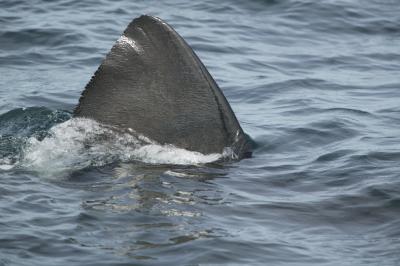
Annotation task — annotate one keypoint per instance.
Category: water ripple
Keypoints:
(316, 86)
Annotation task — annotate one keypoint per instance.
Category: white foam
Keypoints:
(6, 167)
(6, 164)
(79, 143)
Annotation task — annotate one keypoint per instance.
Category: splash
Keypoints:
(79, 143)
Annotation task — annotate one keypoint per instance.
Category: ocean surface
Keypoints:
(316, 84)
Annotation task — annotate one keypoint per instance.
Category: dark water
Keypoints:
(315, 83)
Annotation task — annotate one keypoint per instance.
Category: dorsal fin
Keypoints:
(152, 82)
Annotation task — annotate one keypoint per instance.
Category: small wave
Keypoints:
(6, 164)
(24, 122)
(79, 143)
(20, 38)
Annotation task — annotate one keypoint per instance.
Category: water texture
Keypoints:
(316, 84)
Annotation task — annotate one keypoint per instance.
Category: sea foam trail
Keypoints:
(80, 142)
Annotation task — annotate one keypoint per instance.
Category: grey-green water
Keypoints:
(316, 84)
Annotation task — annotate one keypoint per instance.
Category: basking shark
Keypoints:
(153, 83)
